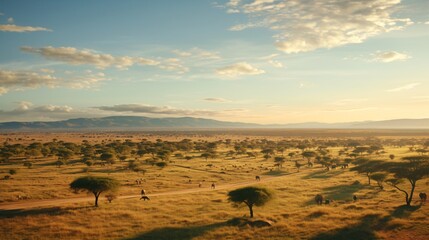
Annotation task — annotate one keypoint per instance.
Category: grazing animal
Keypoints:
(310, 164)
(145, 198)
(345, 165)
(298, 165)
(319, 199)
(354, 198)
(213, 186)
(423, 196)
(327, 201)
(143, 192)
(258, 178)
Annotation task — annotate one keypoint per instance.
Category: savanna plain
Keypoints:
(370, 181)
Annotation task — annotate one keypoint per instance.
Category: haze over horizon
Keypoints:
(256, 61)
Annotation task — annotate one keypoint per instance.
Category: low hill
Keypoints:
(135, 122)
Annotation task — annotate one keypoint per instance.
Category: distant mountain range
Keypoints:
(135, 122)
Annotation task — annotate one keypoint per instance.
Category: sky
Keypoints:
(258, 61)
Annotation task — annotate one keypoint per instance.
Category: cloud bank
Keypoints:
(15, 28)
(164, 110)
(18, 80)
(304, 26)
(87, 56)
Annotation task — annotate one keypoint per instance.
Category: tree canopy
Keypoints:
(95, 185)
(414, 168)
(251, 196)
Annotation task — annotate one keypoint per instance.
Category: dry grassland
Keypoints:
(377, 214)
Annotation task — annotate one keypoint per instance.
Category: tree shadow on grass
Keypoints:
(368, 225)
(404, 211)
(342, 192)
(364, 230)
(276, 173)
(339, 193)
(179, 233)
(323, 174)
(53, 211)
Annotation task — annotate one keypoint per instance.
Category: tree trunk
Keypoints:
(251, 210)
(369, 178)
(96, 194)
(410, 198)
(405, 192)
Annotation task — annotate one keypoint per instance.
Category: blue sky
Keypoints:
(262, 61)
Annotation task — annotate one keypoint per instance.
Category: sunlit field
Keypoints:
(177, 171)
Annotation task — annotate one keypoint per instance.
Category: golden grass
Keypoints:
(205, 215)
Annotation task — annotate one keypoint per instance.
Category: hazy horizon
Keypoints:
(255, 61)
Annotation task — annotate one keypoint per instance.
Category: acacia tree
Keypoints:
(279, 161)
(379, 178)
(251, 196)
(368, 167)
(95, 185)
(308, 155)
(414, 168)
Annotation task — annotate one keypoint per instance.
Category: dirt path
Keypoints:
(27, 204)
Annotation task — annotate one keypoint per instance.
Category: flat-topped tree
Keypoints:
(95, 185)
(368, 167)
(414, 168)
(251, 196)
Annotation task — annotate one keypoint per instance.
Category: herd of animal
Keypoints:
(319, 199)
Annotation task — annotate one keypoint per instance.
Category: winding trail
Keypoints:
(28, 204)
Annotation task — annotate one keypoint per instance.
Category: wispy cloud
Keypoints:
(175, 65)
(219, 100)
(349, 101)
(86, 81)
(13, 79)
(362, 109)
(197, 53)
(87, 56)
(18, 80)
(25, 107)
(169, 111)
(304, 26)
(164, 110)
(270, 59)
(403, 88)
(239, 69)
(16, 28)
(389, 56)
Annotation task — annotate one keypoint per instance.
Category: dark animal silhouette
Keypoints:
(319, 199)
(145, 198)
(423, 196)
(213, 186)
(355, 198)
(298, 165)
(258, 178)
